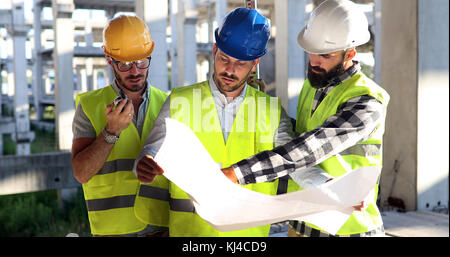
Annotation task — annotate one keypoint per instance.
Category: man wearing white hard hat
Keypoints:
(340, 116)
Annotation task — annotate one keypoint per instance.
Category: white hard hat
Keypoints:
(334, 25)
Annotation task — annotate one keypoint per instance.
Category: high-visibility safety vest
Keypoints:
(110, 193)
(253, 131)
(363, 154)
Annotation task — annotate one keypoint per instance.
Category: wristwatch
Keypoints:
(110, 139)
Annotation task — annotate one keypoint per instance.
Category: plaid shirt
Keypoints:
(353, 122)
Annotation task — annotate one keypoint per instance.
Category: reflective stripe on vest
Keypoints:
(367, 153)
(116, 165)
(154, 192)
(122, 201)
(182, 205)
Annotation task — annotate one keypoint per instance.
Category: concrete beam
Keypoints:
(36, 172)
(173, 12)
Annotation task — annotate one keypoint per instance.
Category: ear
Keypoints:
(350, 54)
(108, 59)
(214, 50)
(255, 63)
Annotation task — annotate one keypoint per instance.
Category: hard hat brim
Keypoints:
(134, 58)
(312, 49)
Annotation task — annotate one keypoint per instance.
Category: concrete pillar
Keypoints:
(173, 8)
(37, 62)
(155, 15)
(186, 42)
(63, 56)
(9, 66)
(78, 74)
(110, 72)
(88, 37)
(433, 97)
(415, 73)
(221, 10)
(47, 84)
(84, 83)
(377, 26)
(289, 57)
(23, 136)
(89, 74)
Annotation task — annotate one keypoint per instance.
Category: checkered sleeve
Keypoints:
(354, 122)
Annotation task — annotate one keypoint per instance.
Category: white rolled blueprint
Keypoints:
(228, 206)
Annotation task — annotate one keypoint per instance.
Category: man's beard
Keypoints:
(230, 76)
(134, 88)
(322, 80)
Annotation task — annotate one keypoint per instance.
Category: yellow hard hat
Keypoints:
(127, 38)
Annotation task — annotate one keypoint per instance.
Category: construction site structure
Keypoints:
(47, 57)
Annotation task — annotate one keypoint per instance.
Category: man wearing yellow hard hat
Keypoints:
(110, 126)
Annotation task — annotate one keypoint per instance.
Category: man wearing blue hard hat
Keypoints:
(231, 119)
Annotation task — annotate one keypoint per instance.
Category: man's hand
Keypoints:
(120, 117)
(360, 207)
(147, 169)
(229, 173)
(256, 83)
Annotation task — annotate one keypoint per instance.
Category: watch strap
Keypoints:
(110, 139)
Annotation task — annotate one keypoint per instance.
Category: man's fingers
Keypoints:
(129, 107)
(229, 173)
(151, 163)
(108, 109)
(148, 165)
(120, 106)
(359, 207)
(146, 178)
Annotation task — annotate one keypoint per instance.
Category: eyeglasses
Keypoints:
(126, 66)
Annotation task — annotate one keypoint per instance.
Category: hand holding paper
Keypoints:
(147, 169)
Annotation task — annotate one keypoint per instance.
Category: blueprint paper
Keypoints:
(228, 206)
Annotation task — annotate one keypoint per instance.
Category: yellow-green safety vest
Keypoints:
(363, 154)
(111, 192)
(253, 131)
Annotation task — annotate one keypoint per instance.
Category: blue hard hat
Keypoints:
(243, 34)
